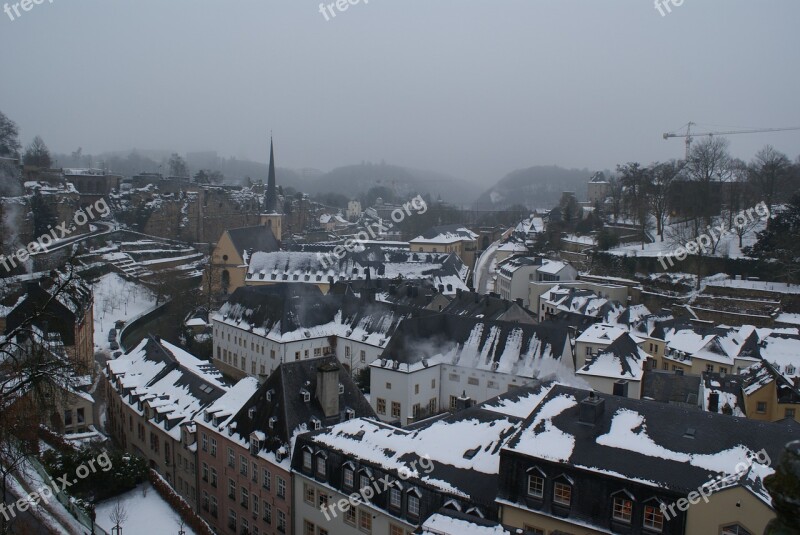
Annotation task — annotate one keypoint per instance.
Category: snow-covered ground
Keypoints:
(728, 245)
(145, 513)
(485, 269)
(117, 299)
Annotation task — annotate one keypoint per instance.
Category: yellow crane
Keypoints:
(689, 135)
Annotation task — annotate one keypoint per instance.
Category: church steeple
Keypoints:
(271, 196)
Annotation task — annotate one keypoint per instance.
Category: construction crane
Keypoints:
(689, 135)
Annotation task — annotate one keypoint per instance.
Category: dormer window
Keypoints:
(341, 388)
(306, 395)
(653, 516)
(622, 507)
(349, 414)
(562, 491)
(536, 483)
(251, 412)
(269, 395)
(272, 421)
(322, 468)
(307, 459)
(315, 424)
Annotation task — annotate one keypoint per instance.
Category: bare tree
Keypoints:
(177, 166)
(37, 154)
(615, 191)
(9, 137)
(118, 516)
(664, 175)
(768, 171)
(708, 163)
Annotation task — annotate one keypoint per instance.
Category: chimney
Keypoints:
(713, 402)
(328, 388)
(464, 402)
(591, 409)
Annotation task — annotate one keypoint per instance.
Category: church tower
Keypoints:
(271, 216)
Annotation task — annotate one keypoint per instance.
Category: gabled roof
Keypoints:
(281, 398)
(622, 359)
(467, 468)
(446, 234)
(655, 444)
(487, 307)
(504, 347)
(248, 240)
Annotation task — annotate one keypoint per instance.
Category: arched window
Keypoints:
(226, 280)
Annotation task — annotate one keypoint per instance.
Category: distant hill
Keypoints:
(535, 187)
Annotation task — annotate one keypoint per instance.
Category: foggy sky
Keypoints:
(473, 89)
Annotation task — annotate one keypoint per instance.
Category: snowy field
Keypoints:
(145, 514)
(117, 299)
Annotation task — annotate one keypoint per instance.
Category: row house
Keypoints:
(258, 328)
(154, 393)
(448, 239)
(404, 476)
(597, 464)
(432, 362)
(610, 360)
(245, 438)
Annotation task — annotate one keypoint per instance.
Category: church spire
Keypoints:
(271, 198)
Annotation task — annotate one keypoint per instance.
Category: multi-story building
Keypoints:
(59, 307)
(448, 239)
(515, 274)
(598, 464)
(231, 255)
(402, 477)
(431, 362)
(154, 393)
(245, 443)
(260, 327)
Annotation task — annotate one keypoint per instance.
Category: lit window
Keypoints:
(653, 518)
(562, 494)
(623, 509)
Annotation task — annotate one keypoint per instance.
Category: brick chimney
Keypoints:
(328, 388)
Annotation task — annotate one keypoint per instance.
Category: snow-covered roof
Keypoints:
(446, 234)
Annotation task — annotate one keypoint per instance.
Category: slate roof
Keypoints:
(248, 240)
(670, 387)
(655, 444)
(482, 344)
(54, 315)
(622, 359)
(467, 468)
(488, 307)
(280, 396)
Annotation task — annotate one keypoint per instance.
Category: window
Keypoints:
(231, 458)
(395, 500)
(213, 507)
(309, 494)
(761, 407)
(245, 527)
(416, 389)
(666, 366)
(432, 405)
(710, 368)
(348, 478)
(231, 489)
(317, 351)
(267, 513)
(205, 501)
(453, 403)
(213, 447)
(454, 377)
(80, 415)
(214, 477)
(533, 530)
(789, 413)
(381, 406)
(232, 519)
(535, 486)
(243, 464)
(395, 409)
(266, 481)
(433, 383)
(562, 494)
(205, 472)
(350, 516)
(415, 410)
(281, 487)
(364, 481)
(255, 506)
(413, 505)
(723, 369)
(321, 468)
(493, 385)
(245, 498)
(388, 386)
(306, 460)
(255, 473)
(363, 356)
(309, 528)
(347, 351)
(281, 521)
(365, 520)
(653, 518)
(623, 509)
(394, 529)
(322, 500)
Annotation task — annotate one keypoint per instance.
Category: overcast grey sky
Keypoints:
(471, 88)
